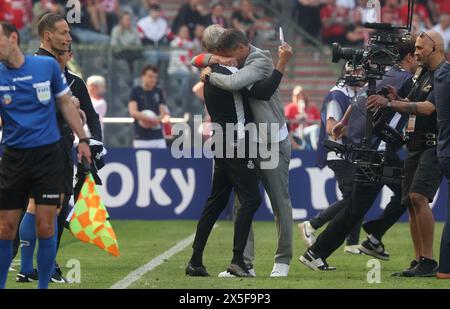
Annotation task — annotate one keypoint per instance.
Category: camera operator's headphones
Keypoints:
(434, 43)
(434, 49)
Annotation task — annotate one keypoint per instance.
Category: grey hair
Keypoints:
(96, 80)
(211, 35)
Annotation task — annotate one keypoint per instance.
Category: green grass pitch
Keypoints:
(141, 241)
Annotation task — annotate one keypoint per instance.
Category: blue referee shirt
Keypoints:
(27, 99)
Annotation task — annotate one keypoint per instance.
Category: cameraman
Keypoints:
(401, 78)
(364, 194)
(423, 174)
(334, 106)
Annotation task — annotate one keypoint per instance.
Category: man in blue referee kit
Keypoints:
(56, 41)
(32, 161)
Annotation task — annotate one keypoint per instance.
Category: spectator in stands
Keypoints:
(181, 52)
(428, 6)
(42, 7)
(443, 28)
(97, 16)
(141, 7)
(19, 13)
(190, 15)
(124, 34)
(304, 120)
(418, 26)
(153, 28)
(96, 86)
(148, 107)
(244, 19)
(180, 69)
(334, 22)
(216, 16)
(113, 12)
(420, 10)
(362, 6)
(390, 12)
(149, 3)
(87, 31)
(256, 28)
(356, 33)
(308, 16)
(197, 41)
(348, 4)
(440, 6)
(126, 42)
(103, 14)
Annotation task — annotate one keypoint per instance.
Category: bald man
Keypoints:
(423, 174)
(441, 98)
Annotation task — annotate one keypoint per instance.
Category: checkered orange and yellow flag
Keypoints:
(89, 222)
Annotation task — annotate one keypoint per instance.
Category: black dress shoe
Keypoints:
(238, 271)
(196, 271)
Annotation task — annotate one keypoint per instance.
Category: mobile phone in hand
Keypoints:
(281, 36)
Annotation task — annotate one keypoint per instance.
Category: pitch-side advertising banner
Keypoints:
(152, 185)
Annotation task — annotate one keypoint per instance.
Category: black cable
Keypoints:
(410, 13)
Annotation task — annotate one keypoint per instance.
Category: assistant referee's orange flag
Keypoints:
(89, 222)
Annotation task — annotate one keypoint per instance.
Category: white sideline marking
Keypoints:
(137, 274)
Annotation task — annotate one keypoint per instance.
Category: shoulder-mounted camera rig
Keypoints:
(369, 65)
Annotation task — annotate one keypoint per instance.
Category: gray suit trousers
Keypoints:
(276, 184)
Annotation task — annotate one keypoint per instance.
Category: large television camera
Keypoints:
(368, 66)
(372, 165)
(371, 62)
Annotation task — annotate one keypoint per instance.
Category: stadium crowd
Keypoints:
(146, 30)
(170, 43)
(342, 20)
(137, 22)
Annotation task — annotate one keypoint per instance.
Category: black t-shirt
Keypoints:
(351, 28)
(441, 98)
(189, 17)
(79, 90)
(150, 100)
(406, 88)
(226, 107)
(85, 20)
(421, 91)
(243, 20)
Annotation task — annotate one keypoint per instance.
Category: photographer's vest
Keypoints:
(357, 121)
(341, 96)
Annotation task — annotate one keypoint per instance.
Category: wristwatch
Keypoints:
(84, 140)
(389, 104)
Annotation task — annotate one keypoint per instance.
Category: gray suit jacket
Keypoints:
(258, 66)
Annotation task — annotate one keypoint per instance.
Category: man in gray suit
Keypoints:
(274, 149)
